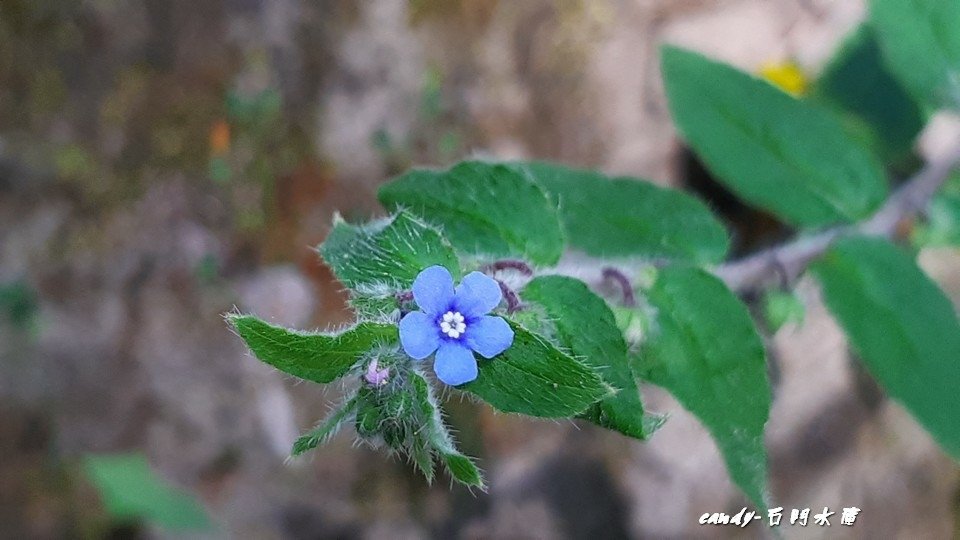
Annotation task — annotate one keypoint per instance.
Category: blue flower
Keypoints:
(454, 322)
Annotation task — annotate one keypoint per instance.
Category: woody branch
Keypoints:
(787, 261)
(792, 258)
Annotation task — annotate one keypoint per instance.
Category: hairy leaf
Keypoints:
(462, 469)
(902, 325)
(922, 46)
(315, 357)
(325, 430)
(586, 327)
(535, 378)
(772, 150)
(624, 217)
(436, 436)
(390, 252)
(484, 208)
(706, 352)
(422, 457)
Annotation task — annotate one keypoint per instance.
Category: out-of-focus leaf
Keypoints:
(942, 224)
(903, 327)
(780, 308)
(130, 490)
(772, 150)
(876, 107)
(18, 303)
(921, 45)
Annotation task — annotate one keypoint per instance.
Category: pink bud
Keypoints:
(374, 376)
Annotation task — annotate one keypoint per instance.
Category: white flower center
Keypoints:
(452, 324)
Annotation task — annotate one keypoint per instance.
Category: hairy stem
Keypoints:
(508, 264)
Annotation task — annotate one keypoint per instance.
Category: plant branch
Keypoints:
(787, 261)
(792, 258)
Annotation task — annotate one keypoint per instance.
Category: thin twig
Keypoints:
(793, 257)
(789, 260)
(508, 264)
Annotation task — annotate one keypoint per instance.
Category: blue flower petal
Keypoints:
(433, 290)
(455, 364)
(419, 334)
(489, 336)
(477, 294)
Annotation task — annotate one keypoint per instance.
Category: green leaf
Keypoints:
(130, 490)
(586, 327)
(942, 224)
(463, 469)
(315, 357)
(903, 327)
(422, 456)
(624, 217)
(429, 413)
(774, 151)
(18, 303)
(325, 430)
(436, 436)
(387, 253)
(484, 208)
(388, 412)
(873, 104)
(706, 352)
(922, 46)
(634, 323)
(369, 420)
(535, 378)
(780, 308)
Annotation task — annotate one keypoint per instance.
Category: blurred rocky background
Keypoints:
(164, 161)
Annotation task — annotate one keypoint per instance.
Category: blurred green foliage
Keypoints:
(941, 226)
(132, 492)
(18, 303)
(780, 308)
(873, 104)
